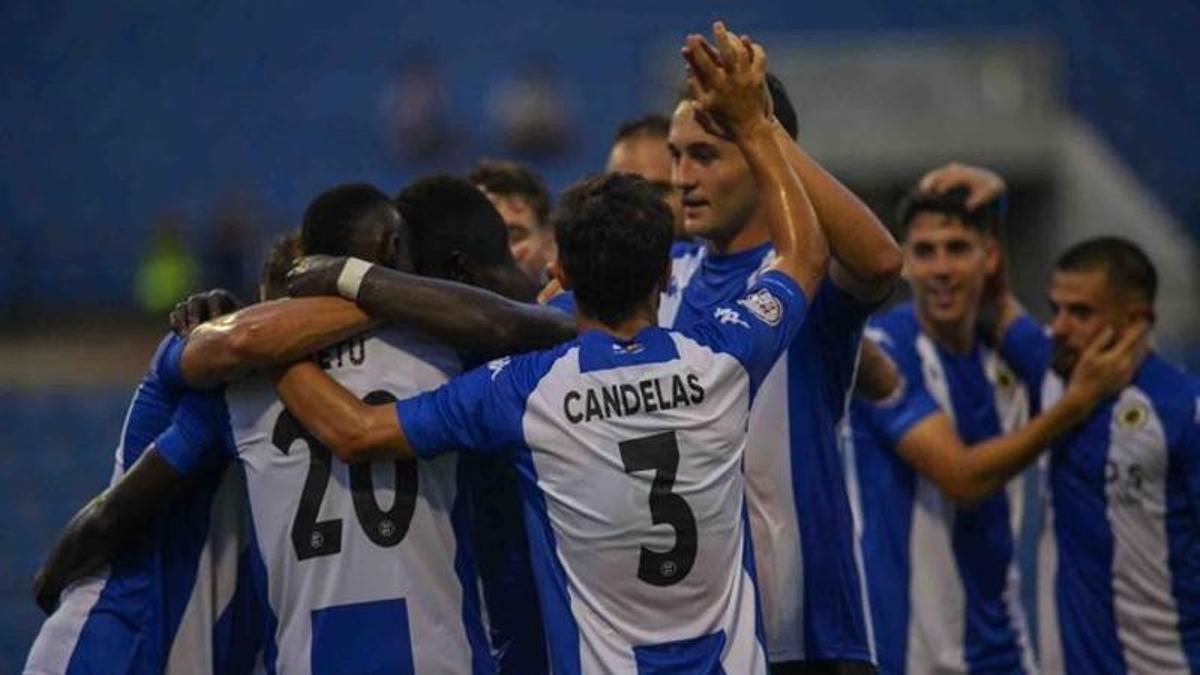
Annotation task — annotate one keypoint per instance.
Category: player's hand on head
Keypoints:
(983, 185)
(200, 307)
(1107, 366)
(727, 80)
(315, 275)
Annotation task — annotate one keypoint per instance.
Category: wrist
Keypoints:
(1077, 403)
(350, 279)
(756, 127)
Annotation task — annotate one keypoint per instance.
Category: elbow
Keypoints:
(965, 493)
(350, 443)
(887, 265)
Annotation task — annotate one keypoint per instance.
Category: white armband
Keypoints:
(351, 277)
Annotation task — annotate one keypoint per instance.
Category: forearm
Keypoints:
(267, 334)
(800, 245)
(350, 428)
(89, 542)
(877, 377)
(464, 317)
(858, 241)
(989, 465)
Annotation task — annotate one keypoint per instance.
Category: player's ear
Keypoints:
(991, 252)
(556, 272)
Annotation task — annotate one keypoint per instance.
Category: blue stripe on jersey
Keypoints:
(258, 572)
(347, 639)
(237, 635)
(820, 371)
(561, 630)
(983, 550)
(1085, 553)
(697, 655)
(885, 482)
(1183, 540)
(750, 565)
(464, 567)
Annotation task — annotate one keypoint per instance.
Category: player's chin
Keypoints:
(1063, 360)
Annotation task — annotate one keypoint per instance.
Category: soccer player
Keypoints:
(524, 202)
(171, 594)
(629, 440)
(640, 148)
(801, 522)
(937, 530)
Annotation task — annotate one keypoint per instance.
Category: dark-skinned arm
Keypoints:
(877, 376)
(107, 526)
(353, 430)
(970, 475)
(266, 334)
(463, 317)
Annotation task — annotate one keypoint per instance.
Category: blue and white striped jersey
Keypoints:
(1119, 565)
(944, 581)
(630, 457)
(179, 601)
(363, 568)
(809, 565)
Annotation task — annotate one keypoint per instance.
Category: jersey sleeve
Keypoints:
(757, 328)
(1026, 348)
(480, 411)
(891, 419)
(198, 432)
(167, 365)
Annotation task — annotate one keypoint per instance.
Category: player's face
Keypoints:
(715, 184)
(531, 247)
(1082, 305)
(946, 264)
(647, 156)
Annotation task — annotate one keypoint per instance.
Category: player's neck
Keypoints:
(957, 338)
(645, 317)
(753, 235)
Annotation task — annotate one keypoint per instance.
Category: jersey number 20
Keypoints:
(312, 538)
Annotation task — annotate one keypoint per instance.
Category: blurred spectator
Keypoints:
(523, 201)
(640, 148)
(230, 260)
(168, 272)
(532, 113)
(414, 113)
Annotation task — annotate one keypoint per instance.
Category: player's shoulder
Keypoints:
(1174, 393)
(523, 372)
(896, 328)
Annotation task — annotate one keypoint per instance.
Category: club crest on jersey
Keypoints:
(729, 315)
(498, 365)
(764, 306)
(1133, 417)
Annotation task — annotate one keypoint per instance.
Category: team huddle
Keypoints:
(680, 455)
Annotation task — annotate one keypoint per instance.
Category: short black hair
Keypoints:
(280, 257)
(785, 112)
(445, 214)
(510, 179)
(987, 218)
(1125, 264)
(653, 125)
(614, 235)
(336, 215)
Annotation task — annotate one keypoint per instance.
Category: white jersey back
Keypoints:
(364, 567)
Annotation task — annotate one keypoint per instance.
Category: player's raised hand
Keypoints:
(200, 307)
(983, 185)
(727, 81)
(1106, 367)
(315, 275)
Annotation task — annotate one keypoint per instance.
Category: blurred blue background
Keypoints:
(120, 121)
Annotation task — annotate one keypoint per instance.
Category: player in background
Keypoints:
(523, 201)
(937, 521)
(809, 568)
(630, 427)
(640, 148)
(169, 595)
(1119, 566)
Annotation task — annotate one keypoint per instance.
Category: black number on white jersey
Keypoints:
(312, 538)
(660, 453)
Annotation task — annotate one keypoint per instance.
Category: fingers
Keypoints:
(195, 311)
(729, 47)
(702, 64)
(1098, 345)
(1134, 343)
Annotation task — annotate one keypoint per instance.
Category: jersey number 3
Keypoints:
(312, 538)
(660, 453)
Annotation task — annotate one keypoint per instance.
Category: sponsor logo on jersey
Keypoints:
(631, 348)
(1133, 417)
(764, 306)
(498, 365)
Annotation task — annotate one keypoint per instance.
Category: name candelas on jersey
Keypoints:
(620, 400)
